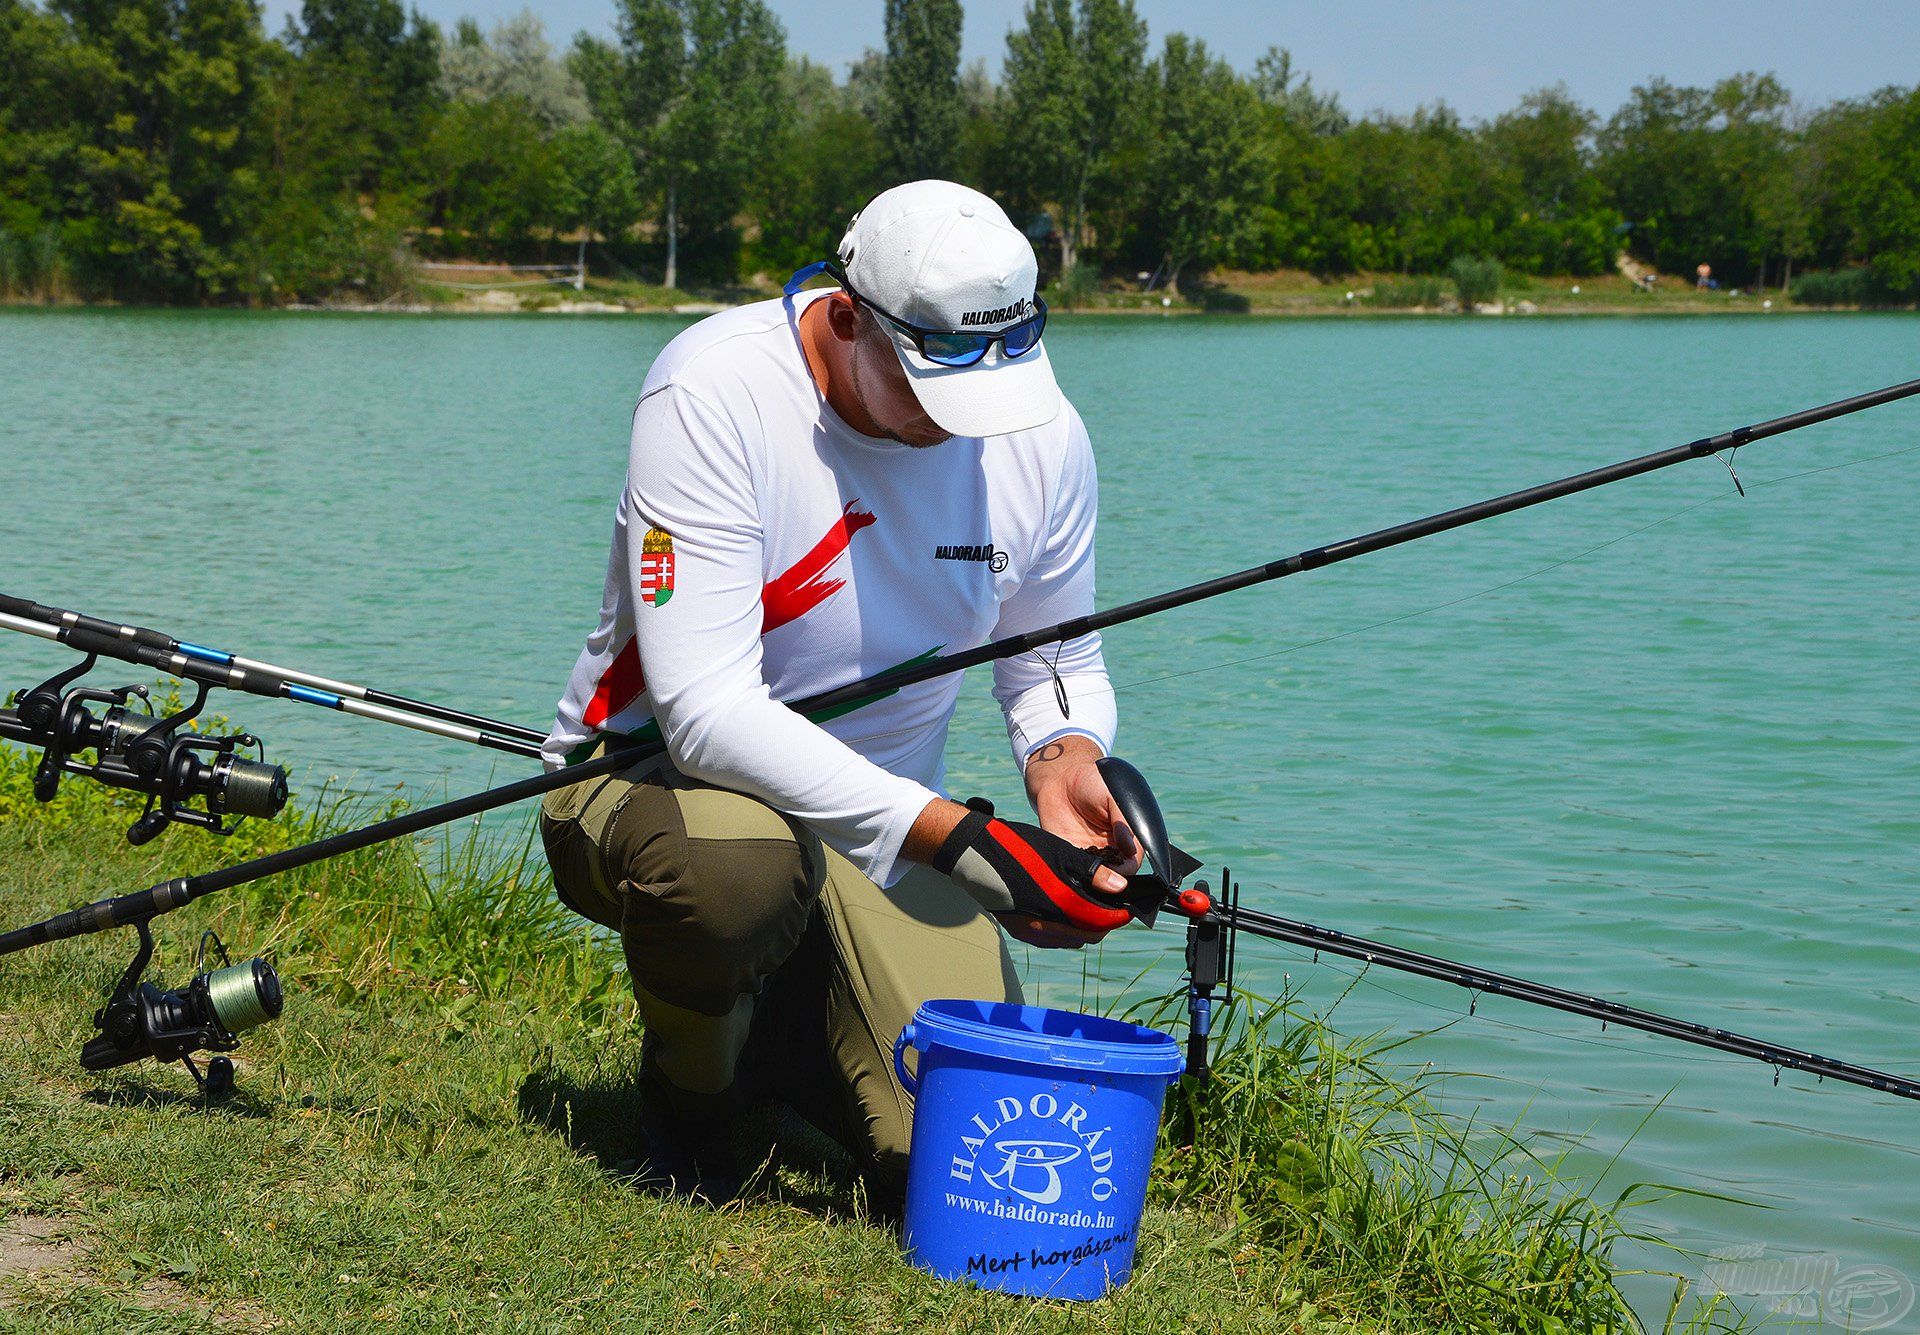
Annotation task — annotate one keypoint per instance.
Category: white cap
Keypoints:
(941, 256)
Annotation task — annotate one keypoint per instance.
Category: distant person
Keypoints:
(821, 487)
(1703, 277)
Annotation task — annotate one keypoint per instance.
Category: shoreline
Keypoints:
(1303, 311)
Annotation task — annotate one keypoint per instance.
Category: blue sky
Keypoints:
(1397, 54)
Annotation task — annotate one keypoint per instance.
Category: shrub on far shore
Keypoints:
(1420, 291)
(1476, 279)
(1856, 286)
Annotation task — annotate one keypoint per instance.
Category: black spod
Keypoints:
(1142, 812)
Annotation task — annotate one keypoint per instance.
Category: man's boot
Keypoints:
(691, 1157)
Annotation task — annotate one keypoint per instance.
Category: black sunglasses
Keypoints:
(943, 347)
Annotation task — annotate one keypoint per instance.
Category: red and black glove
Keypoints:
(1012, 867)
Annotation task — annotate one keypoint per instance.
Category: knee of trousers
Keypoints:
(715, 889)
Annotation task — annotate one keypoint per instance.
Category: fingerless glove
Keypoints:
(1013, 867)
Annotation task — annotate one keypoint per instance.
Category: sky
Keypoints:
(1394, 55)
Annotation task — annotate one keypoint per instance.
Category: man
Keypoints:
(820, 488)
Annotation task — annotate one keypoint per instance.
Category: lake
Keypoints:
(1655, 742)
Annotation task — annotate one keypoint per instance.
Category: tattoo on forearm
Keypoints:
(1051, 751)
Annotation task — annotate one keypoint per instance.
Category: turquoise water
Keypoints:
(1678, 765)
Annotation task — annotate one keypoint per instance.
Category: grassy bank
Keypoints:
(1228, 292)
(435, 1136)
(1281, 293)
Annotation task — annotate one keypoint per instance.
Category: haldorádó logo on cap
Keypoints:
(939, 256)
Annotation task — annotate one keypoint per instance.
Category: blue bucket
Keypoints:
(1033, 1134)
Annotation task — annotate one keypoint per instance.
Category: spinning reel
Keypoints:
(145, 753)
(209, 1014)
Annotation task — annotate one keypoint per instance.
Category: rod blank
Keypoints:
(1486, 981)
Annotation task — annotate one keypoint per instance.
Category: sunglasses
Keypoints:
(942, 347)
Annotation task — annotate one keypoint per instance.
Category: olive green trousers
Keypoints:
(764, 963)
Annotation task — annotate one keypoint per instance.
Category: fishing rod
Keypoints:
(1326, 940)
(217, 667)
(1153, 891)
(1214, 921)
(189, 778)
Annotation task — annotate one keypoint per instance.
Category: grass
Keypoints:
(435, 1136)
(1292, 292)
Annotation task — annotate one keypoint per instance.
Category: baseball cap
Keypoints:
(941, 256)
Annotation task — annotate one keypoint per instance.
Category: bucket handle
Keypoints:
(907, 1079)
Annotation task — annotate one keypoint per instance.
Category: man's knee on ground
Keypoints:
(707, 918)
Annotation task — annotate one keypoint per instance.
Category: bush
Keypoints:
(1313, 1144)
(1857, 286)
(30, 263)
(1421, 292)
(1076, 285)
(1476, 279)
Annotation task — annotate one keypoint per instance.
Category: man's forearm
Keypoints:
(930, 829)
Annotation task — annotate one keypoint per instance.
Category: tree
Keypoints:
(921, 109)
(487, 174)
(1876, 191)
(1314, 113)
(383, 67)
(162, 175)
(514, 62)
(827, 162)
(1545, 146)
(1542, 154)
(1071, 86)
(1689, 167)
(696, 98)
(594, 187)
(1204, 158)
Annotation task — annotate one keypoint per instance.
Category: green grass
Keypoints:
(1291, 292)
(435, 1135)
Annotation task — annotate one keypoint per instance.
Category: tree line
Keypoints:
(174, 151)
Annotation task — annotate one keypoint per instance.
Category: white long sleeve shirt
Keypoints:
(763, 551)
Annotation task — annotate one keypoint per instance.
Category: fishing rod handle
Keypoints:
(102, 915)
(62, 618)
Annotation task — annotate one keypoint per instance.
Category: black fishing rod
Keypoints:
(1215, 920)
(169, 895)
(1325, 940)
(217, 667)
(166, 896)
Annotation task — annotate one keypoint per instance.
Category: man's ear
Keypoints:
(843, 317)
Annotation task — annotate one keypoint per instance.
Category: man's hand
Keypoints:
(1072, 801)
(936, 839)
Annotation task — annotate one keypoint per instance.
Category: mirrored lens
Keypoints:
(1022, 337)
(955, 349)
